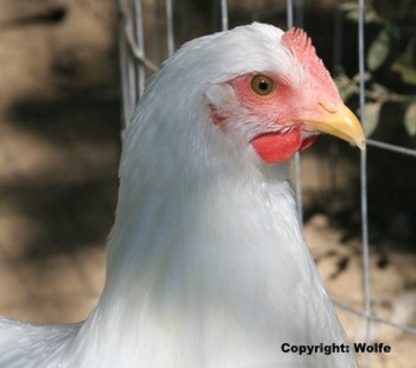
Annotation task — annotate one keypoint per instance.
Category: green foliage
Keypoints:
(371, 116)
(379, 50)
(405, 64)
(390, 59)
(410, 119)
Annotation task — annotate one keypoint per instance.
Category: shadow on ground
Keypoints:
(71, 199)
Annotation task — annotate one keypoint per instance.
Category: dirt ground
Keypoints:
(393, 290)
(59, 148)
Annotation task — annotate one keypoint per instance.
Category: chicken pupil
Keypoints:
(263, 85)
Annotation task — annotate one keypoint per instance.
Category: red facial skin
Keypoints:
(287, 103)
(279, 106)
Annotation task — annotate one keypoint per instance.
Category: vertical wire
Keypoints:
(157, 27)
(336, 62)
(297, 161)
(363, 175)
(289, 13)
(224, 15)
(140, 69)
(128, 74)
(169, 24)
(132, 72)
(123, 65)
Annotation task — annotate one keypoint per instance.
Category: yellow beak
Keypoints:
(341, 123)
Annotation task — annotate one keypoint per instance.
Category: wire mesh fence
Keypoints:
(135, 66)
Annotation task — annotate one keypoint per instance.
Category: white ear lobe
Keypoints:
(221, 96)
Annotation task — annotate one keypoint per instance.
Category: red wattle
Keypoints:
(278, 147)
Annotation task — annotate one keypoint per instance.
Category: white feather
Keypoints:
(207, 266)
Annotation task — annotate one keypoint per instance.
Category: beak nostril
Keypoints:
(330, 109)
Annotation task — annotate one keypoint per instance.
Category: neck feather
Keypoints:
(206, 254)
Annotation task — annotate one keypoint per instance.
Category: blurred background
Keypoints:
(60, 123)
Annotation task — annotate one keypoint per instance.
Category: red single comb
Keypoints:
(300, 44)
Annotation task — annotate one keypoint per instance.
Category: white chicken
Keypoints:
(207, 266)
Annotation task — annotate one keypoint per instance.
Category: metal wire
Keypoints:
(296, 159)
(137, 52)
(169, 22)
(363, 176)
(224, 15)
(131, 47)
(124, 61)
(398, 326)
(138, 30)
(392, 147)
(289, 13)
(126, 64)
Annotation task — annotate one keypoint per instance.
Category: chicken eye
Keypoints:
(262, 85)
